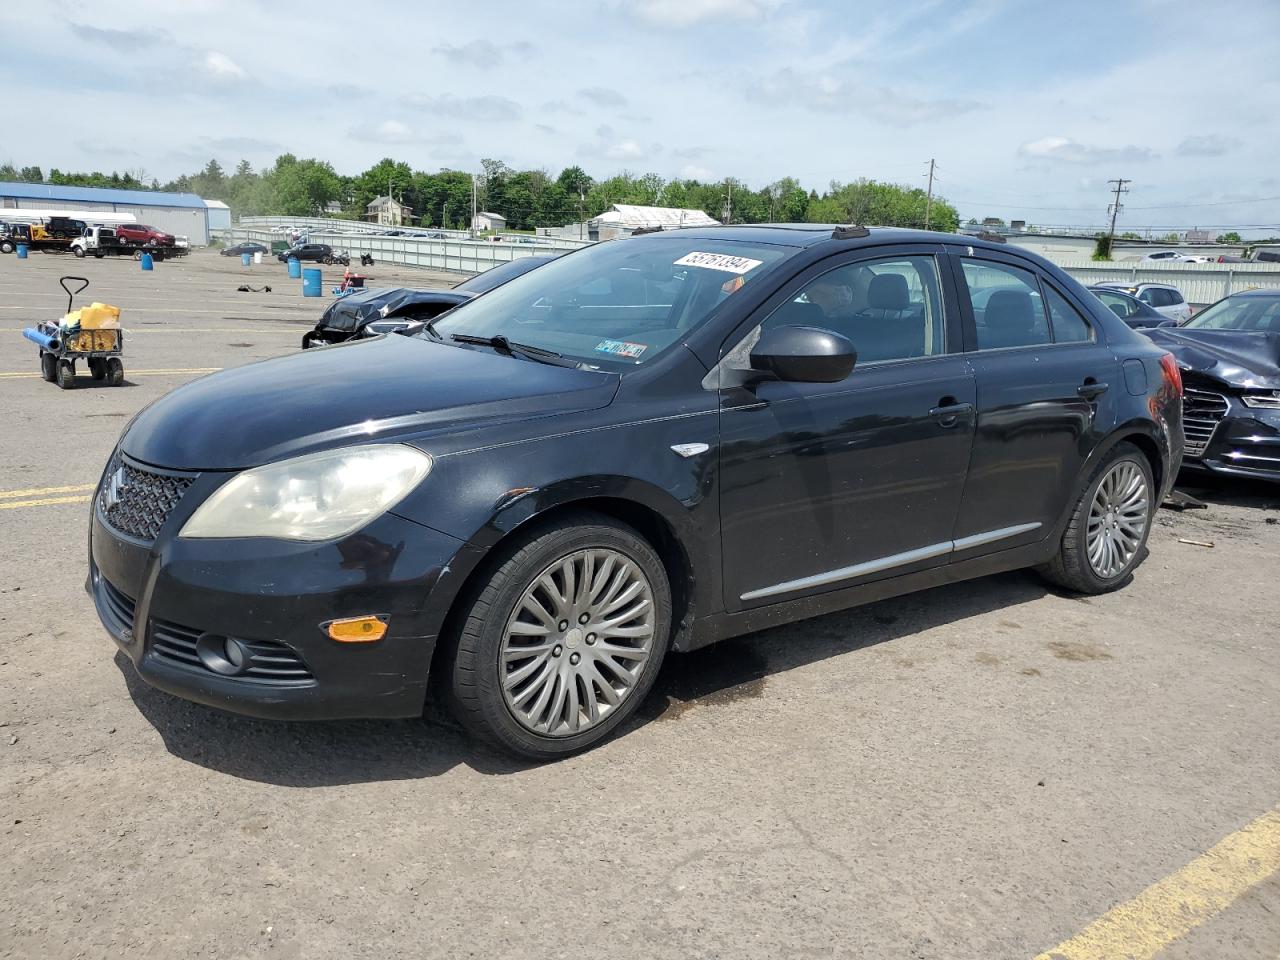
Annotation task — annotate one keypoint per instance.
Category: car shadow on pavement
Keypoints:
(1230, 491)
(329, 753)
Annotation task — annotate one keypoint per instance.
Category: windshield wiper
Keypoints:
(502, 344)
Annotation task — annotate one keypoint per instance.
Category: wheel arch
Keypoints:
(1140, 433)
(648, 521)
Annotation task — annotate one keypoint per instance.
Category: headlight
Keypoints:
(316, 497)
(1266, 399)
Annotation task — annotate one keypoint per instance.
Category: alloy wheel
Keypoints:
(1117, 519)
(577, 642)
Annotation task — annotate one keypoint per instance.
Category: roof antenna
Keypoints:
(850, 232)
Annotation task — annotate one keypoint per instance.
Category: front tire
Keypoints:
(66, 374)
(563, 640)
(1106, 537)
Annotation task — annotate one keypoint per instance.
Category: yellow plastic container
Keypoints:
(88, 340)
(98, 316)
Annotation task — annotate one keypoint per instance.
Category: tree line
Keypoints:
(294, 186)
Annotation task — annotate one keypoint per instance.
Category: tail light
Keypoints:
(1172, 375)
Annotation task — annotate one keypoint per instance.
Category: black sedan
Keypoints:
(1131, 310)
(397, 309)
(316, 252)
(1230, 359)
(644, 446)
(248, 247)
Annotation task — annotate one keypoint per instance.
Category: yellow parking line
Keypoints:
(128, 373)
(43, 491)
(1182, 901)
(43, 502)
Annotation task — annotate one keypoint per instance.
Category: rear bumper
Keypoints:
(160, 601)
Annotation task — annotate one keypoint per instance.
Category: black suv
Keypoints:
(644, 445)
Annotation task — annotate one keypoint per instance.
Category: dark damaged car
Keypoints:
(1230, 359)
(403, 310)
(646, 445)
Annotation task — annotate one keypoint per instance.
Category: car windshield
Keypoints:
(496, 276)
(618, 303)
(1259, 314)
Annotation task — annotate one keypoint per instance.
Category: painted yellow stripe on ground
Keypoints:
(127, 373)
(45, 491)
(43, 502)
(1176, 905)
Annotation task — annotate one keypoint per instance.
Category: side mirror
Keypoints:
(804, 355)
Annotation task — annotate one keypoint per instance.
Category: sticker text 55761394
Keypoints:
(718, 261)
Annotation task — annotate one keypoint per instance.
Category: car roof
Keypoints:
(1125, 284)
(809, 234)
(1257, 292)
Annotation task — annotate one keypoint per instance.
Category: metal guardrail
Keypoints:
(330, 225)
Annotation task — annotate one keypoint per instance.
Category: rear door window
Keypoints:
(1068, 324)
(1008, 310)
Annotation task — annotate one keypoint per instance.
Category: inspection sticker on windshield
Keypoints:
(621, 348)
(718, 261)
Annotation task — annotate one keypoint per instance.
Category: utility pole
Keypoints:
(582, 199)
(444, 216)
(1115, 209)
(728, 203)
(473, 206)
(928, 203)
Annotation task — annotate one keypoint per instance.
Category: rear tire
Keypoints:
(616, 633)
(115, 371)
(97, 368)
(1106, 537)
(49, 367)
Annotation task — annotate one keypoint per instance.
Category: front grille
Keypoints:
(270, 662)
(137, 502)
(1202, 411)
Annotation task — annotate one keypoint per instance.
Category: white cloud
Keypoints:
(399, 132)
(1208, 146)
(483, 53)
(222, 67)
(828, 93)
(692, 171)
(1066, 150)
(491, 109)
(603, 96)
(685, 13)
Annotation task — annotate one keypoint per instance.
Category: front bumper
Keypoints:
(1245, 443)
(157, 600)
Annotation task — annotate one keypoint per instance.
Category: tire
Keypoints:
(137, 254)
(49, 367)
(98, 256)
(115, 371)
(485, 657)
(327, 261)
(79, 252)
(1113, 514)
(6, 246)
(66, 374)
(97, 368)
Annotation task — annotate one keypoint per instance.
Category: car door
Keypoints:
(827, 485)
(1046, 391)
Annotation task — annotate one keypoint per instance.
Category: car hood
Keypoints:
(386, 388)
(1238, 358)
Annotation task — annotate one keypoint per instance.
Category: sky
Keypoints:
(1028, 107)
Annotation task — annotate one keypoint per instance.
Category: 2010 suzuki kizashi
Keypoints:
(646, 445)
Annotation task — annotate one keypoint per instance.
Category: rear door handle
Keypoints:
(949, 414)
(1091, 389)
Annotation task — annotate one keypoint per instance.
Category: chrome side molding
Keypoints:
(889, 562)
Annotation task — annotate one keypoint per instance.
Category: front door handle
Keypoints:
(1091, 389)
(948, 414)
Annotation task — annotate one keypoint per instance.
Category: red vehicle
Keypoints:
(143, 234)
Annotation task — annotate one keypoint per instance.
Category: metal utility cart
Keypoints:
(92, 334)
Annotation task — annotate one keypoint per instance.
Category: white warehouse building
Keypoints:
(182, 214)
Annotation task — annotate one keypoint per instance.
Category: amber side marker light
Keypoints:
(356, 629)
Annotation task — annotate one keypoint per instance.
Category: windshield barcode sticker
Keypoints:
(718, 261)
(622, 348)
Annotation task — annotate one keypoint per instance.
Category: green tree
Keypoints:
(1230, 237)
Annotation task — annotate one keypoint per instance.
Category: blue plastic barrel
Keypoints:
(311, 280)
(295, 268)
(22, 251)
(147, 262)
(246, 259)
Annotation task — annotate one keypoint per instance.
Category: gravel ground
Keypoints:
(977, 771)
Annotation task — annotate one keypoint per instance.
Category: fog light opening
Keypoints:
(225, 655)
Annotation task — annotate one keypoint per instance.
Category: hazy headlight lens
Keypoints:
(316, 497)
